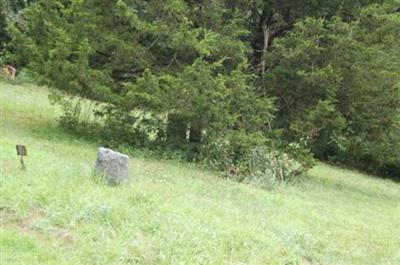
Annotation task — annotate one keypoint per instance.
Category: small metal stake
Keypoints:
(21, 151)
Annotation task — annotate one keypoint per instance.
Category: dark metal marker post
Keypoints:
(21, 151)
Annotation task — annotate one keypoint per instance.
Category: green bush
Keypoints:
(265, 166)
(78, 115)
(26, 77)
(134, 128)
(254, 158)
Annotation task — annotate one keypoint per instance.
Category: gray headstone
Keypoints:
(113, 165)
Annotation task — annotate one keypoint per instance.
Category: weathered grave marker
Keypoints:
(114, 165)
(21, 151)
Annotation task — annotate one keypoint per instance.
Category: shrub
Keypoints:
(131, 128)
(264, 165)
(254, 158)
(26, 77)
(78, 114)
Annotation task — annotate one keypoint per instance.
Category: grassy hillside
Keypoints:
(58, 213)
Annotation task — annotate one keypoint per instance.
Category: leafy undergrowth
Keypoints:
(56, 212)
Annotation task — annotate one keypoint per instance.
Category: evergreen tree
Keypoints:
(9, 10)
(337, 86)
(184, 58)
(270, 19)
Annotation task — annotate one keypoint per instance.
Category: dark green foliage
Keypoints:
(176, 130)
(9, 10)
(337, 87)
(271, 19)
(4, 36)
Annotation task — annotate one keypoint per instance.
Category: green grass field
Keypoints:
(57, 212)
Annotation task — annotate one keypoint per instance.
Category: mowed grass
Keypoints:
(57, 212)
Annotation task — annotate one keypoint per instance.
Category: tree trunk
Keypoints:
(176, 130)
(266, 35)
(194, 140)
(195, 134)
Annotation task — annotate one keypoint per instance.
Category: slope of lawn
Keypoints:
(57, 212)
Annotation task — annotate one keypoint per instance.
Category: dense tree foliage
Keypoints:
(4, 37)
(226, 77)
(269, 19)
(337, 85)
(9, 10)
